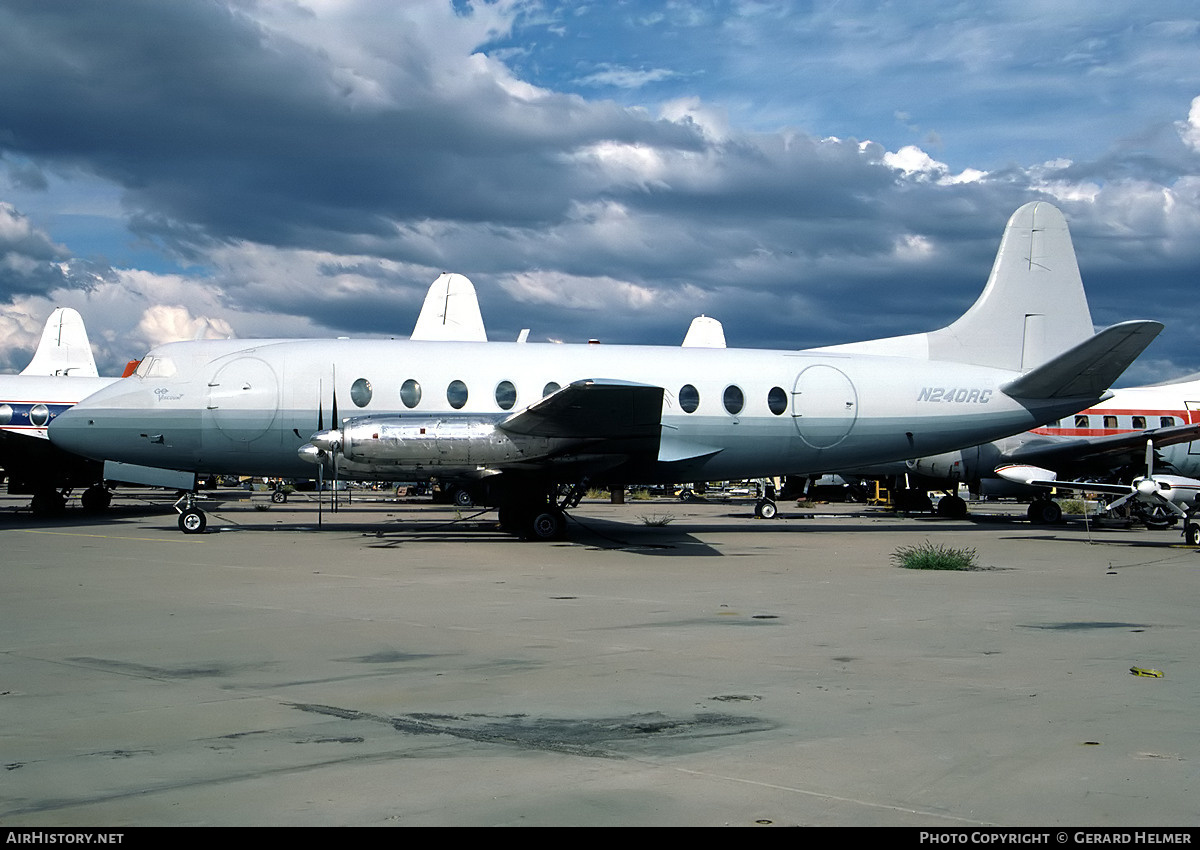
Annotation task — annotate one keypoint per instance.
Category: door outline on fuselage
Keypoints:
(825, 395)
(239, 386)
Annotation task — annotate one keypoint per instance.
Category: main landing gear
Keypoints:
(538, 514)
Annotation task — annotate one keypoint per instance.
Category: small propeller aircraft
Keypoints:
(1160, 500)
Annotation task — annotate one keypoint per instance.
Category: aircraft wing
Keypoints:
(1087, 370)
(1113, 451)
(592, 409)
(1033, 476)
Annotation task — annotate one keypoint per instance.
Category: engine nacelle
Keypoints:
(428, 442)
(961, 465)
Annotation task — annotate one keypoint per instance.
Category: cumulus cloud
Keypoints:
(162, 323)
(307, 168)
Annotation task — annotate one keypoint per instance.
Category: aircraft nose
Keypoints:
(72, 431)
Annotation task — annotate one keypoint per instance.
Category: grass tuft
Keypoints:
(926, 556)
(657, 520)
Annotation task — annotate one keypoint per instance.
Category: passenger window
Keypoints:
(1139, 422)
(360, 392)
(1110, 422)
(456, 394)
(506, 395)
(39, 415)
(734, 400)
(1167, 422)
(1081, 421)
(777, 400)
(6, 414)
(410, 393)
(550, 389)
(689, 398)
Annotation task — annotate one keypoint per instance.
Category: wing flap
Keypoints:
(1086, 370)
(592, 409)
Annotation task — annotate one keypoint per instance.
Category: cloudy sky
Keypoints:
(807, 172)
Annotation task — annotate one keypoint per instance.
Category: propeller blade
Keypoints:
(1118, 502)
(1150, 459)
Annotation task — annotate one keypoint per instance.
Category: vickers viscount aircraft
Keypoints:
(529, 426)
(61, 372)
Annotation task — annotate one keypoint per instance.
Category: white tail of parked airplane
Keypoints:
(64, 349)
(450, 312)
(1032, 309)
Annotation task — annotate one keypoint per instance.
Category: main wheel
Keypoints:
(95, 499)
(952, 507)
(548, 523)
(48, 503)
(1044, 512)
(765, 508)
(192, 521)
(463, 498)
(279, 497)
(1192, 534)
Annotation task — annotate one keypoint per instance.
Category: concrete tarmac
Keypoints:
(407, 664)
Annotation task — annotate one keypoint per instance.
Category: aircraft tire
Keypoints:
(47, 503)
(544, 524)
(463, 498)
(766, 509)
(192, 521)
(1044, 512)
(279, 497)
(952, 507)
(1191, 534)
(96, 499)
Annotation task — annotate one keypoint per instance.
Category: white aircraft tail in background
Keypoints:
(450, 312)
(1034, 294)
(64, 349)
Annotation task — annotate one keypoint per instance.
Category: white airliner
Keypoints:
(518, 422)
(61, 372)
(1103, 443)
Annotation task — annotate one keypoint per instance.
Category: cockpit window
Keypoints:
(156, 367)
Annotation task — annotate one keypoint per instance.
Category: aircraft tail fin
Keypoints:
(1088, 369)
(64, 348)
(450, 312)
(1033, 307)
(705, 332)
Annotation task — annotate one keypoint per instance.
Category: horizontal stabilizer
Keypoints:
(1088, 369)
(592, 409)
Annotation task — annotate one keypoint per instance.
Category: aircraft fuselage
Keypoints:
(726, 413)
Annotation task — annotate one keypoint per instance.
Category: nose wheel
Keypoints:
(192, 520)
